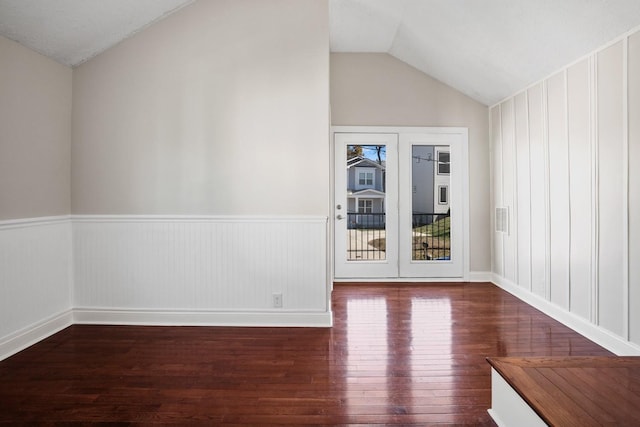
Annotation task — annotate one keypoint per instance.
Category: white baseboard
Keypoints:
(33, 334)
(595, 333)
(278, 318)
(28, 336)
(474, 276)
(407, 280)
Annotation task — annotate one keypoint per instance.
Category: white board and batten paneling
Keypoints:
(507, 122)
(576, 209)
(497, 260)
(538, 191)
(559, 207)
(35, 281)
(523, 191)
(610, 188)
(580, 188)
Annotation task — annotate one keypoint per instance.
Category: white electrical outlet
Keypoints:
(277, 300)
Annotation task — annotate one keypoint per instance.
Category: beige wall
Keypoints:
(374, 89)
(221, 108)
(35, 134)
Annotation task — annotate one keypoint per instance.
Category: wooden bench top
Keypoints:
(576, 391)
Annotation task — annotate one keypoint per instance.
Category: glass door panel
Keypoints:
(366, 222)
(365, 212)
(431, 223)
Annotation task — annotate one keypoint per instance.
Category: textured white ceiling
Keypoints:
(487, 49)
(72, 31)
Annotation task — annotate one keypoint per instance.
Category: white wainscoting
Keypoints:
(35, 281)
(201, 270)
(563, 153)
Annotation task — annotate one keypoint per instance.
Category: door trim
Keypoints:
(400, 130)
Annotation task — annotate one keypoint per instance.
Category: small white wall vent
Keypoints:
(502, 220)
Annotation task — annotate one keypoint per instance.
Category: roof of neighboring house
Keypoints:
(364, 162)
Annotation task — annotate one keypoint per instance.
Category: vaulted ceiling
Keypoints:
(73, 31)
(487, 49)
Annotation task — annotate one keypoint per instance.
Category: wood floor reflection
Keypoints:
(397, 354)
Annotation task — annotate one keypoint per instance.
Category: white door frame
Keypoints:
(462, 138)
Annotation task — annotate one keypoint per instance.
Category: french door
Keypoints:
(400, 208)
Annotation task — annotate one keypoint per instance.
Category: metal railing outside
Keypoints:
(431, 236)
(366, 236)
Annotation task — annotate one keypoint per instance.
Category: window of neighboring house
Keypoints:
(443, 194)
(365, 206)
(366, 178)
(443, 163)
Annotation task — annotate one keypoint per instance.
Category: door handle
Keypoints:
(339, 217)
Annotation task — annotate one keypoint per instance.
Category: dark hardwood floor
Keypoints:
(398, 354)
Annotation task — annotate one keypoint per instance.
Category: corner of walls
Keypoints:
(159, 270)
(561, 151)
(136, 137)
(34, 333)
(480, 276)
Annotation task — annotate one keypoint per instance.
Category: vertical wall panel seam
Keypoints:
(547, 190)
(515, 194)
(492, 196)
(595, 232)
(528, 121)
(502, 237)
(566, 117)
(625, 188)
